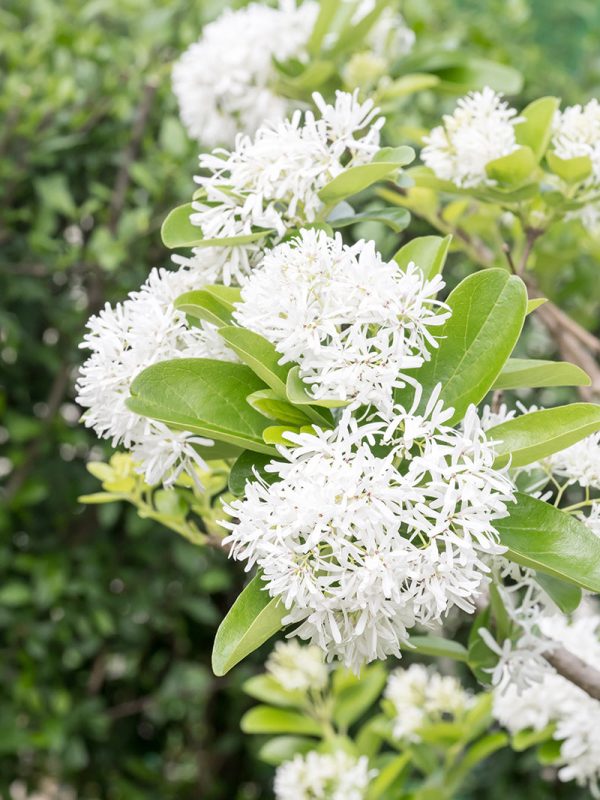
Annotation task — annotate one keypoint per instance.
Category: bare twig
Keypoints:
(575, 670)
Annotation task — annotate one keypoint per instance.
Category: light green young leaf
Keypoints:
(267, 719)
(518, 373)
(534, 436)
(298, 394)
(536, 129)
(251, 620)
(548, 540)
(325, 17)
(202, 396)
(270, 405)
(357, 695)
(534, 303)
(283, 748)
(488, 310)
(355, 179)
(397, 219)
(438, 647)
(514, 169)
(259, 354)
(266, 689)
(388, 776)
(571, 170)
(427, 252)
(203, 305)
(523, 740)
(178, 231)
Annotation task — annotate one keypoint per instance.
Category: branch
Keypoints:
(575, 670)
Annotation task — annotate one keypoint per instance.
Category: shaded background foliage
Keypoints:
(106, 620)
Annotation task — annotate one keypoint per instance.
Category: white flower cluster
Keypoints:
(352, 322)
(579, 463)
(481, 129)
(225, 82)
(359, 550)
(556, 701)
(421, 696)
(297, 667)
(272, 181)
(323, 776)
(124, 340)
(576, 133)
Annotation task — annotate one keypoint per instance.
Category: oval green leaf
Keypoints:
(520, 373)
(427, 252)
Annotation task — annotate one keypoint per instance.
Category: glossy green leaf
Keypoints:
(202, 396)
(266, 719)
(277, 434)
(357, 694)
(536, 129)
(259, 354)
(244, 469)
(178, 231)
(534, 436)
(548, 540)
(514, 169)
(266, 689)
(251, 620)
(270, 405)
(523, 740)
(481, 659)
(355, 179)
(488, 310)
(438, 647)
(571, 170)
(427, 252)
(388, 776)
(518, 373)
(566, 596)
(203, 305)
(535, 302)
(397, 219)
(284, 748)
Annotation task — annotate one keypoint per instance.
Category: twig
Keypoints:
(575, 670)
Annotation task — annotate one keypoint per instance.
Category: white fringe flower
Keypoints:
(555, 700)
(297, 667)
(421, 696)
(124, 340)
(225, 82)
(576, 132)
(323, 776)
(352, 322)
(481, 129)
(358, 550)
(272, 181)
(579, 463)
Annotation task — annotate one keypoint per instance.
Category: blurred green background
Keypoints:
(107, 620)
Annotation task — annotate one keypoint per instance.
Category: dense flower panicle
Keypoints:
(323, 776)
(297, 667)
(352, 322)
(225, 82)
(555, 700)
(481, 129)
(579, 463)
(576, 133)
(272, 181)
(124, 340)
(359, 551)
(421, 696)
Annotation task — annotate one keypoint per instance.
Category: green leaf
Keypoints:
(518, 373)
(284, 748)
(266, 689)
(549, 752)
(243, 471)
(481, 659)
(228, 296)
(566, 596)
(514, 169)
(178, 231)
(536, 302)
(266, 719)
(571, 170)
(387, 777)
(397, 219)
(259, 354)
(298, 393)
(357, 694)
(355, 179)
(251, 620)
(203, 305)
(488, 310)
(277, 434)
(202, 396)
(534, 436)
(536, 129)
(548, 540)
(523, 740)
(327, 12)
(438, 647)
(270, 405)
(352, 35)
(427, 252)
(481, 750)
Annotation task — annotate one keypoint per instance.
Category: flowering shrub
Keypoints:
(376, 485)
